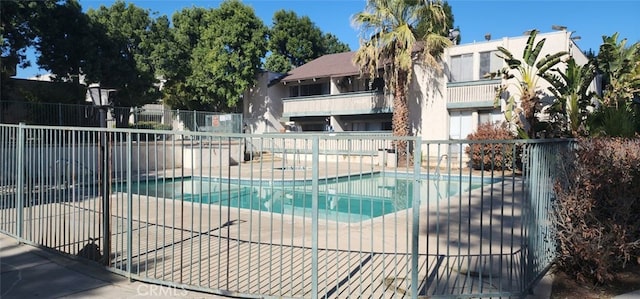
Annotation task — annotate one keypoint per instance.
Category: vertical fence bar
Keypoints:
(20, 147)
(524, 230)
(415, 224)
(60, 118)
(129, 207)
(314, 216)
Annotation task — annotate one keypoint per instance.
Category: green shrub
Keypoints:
(492, 154)
(597, 210)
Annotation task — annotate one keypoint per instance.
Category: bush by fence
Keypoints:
(597, 208)
(491, 156)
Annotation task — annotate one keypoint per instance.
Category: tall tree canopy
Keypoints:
(224, 48)
(294, 41)
(182, 38)
(203, 59)
(64, 38)
(121, 52)
(18, 21)
(390, 37)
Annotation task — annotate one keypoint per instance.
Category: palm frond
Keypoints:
(549, 61)
(529, 46)
(533, 55)
(506, 54)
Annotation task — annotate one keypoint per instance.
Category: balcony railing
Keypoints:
(366, 102)
(471, 94)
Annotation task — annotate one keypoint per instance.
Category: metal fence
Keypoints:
(197, 210)
(147, 117)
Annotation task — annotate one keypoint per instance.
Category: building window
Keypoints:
(461, 68)
(489, 63)
(484, 117)
(294, 91)
(308, 90)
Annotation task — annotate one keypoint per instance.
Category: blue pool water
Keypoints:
(349, 199)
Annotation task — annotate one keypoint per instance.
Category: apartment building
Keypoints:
(328, 93)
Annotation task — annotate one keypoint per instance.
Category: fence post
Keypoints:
(415, 224)
(105, 185)
(20, 147)
(314, 216)
(195, 121)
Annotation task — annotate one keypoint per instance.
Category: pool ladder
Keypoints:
(437, 175)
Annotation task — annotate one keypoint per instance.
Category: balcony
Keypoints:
(365, 102)
(472, 94)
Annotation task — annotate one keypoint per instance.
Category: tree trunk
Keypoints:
(400, 120)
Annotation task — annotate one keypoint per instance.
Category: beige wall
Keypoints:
(427, 104)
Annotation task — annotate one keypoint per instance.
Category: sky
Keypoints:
(588, 19)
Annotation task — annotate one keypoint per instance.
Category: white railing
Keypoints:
(469, 92)
(360, 102)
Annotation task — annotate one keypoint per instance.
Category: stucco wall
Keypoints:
(263, 106)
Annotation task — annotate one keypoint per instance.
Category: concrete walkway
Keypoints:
(32, 272)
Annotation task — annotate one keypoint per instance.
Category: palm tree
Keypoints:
(571, 88)
(528, 71)
(389, 40)
(619, 68)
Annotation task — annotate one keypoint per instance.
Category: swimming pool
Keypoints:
(347, 199)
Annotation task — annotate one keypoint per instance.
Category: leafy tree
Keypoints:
(526, 72)
(294, 41)
(158, 42)
(17, 30)
(181, 39)
(331, 45)
(390, 36)
(227, 56)
(18, 19)
(121, 55)
(278, 63)
(63, 41)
